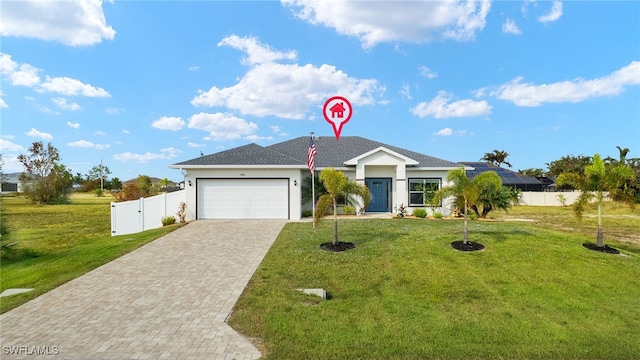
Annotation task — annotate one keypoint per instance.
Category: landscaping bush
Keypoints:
(421, 213)
(307, 213)
(349, 210)
(437, 215)
(169, 220)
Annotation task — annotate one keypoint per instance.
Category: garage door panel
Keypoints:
(243, 198)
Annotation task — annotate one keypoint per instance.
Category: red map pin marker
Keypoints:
(337, 111)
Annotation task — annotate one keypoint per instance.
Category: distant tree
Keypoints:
(45, 180)
(597, 179)
(497, 157)
(164, 183)
(143, 182)
(569, 164)
(141, 187)
(537, 173)
(115, 184)
(337, 184)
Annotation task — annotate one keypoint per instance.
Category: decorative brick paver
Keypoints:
(166, 300)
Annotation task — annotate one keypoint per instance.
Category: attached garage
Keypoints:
(242, 198)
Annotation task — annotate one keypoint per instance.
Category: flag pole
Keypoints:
(313, 194)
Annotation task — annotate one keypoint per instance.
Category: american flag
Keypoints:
(311, 154)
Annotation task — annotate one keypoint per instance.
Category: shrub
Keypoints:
(421, 213)
(473, 216)
(402, 210)
(349, 210)
(99, 192)
(307, 213)
(437, 215)
(5, 232)
(169, 220)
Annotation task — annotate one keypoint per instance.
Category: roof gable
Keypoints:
(381, 149)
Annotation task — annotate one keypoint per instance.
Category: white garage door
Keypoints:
(243, 198)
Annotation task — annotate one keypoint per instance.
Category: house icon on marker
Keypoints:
(337, 110)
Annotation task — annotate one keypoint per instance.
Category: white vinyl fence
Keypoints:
(548, 198)
(135, 216)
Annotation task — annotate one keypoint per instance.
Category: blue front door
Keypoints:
(380, 189)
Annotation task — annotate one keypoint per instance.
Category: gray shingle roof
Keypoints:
(251, 154)
(330, 153)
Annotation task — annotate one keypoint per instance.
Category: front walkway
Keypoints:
(167, 300)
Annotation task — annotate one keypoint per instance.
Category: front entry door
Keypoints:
(380, 189)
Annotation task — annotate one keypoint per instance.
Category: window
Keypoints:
(422, 191)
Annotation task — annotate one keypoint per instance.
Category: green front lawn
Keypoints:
(404, 293)
(57, 243)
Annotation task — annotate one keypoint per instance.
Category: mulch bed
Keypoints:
(340, 246)
(605, 249)
(469, 246)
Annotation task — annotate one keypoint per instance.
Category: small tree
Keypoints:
(594, 182)
(463, 190)
(336, 183)
(44, 179)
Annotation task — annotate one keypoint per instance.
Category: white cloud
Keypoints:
(18, 74)
(194, 145)
(63, 104)
(450, 132)
(73, 125)
(99, 133)
(38, 134)
(222, 126)
(426, 72)
(88, 144)
(3, 104)
(440, 108)
(529, 94)
(168, 123)
(81, 144)
(165, 154)
(554, 14)
(125, 131)
(71, 87)
(405, 91)
(444, 132)
(278, 131)
(113, 111)
(373, 22)
(286, 90)
(256, 137)
(510, 27)
(257, 53)
(75, 23)
(6, 145)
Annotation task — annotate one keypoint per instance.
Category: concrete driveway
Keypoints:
(167, 300)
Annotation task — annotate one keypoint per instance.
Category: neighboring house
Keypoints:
(509, 178)
(256, 182)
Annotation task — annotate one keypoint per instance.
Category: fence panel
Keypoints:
(126, 217)
(134, 216)
(548, 198)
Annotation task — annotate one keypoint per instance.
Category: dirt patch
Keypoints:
(338, 247)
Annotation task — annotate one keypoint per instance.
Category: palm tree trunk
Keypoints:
(335, 222)
(465, 237)
(599, 238)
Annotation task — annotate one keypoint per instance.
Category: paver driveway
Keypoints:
(167, 300)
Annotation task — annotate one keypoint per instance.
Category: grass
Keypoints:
(58, 243)
(404, 293)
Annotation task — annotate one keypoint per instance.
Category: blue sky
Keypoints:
(145, 84)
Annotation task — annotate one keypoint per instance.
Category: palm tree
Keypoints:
(466, 191)
(597, 179)
(497, 157)
(163, 183)
(336, 183)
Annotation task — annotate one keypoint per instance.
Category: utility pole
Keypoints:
(101, 180)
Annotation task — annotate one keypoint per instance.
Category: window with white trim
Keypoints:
(422, 191)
